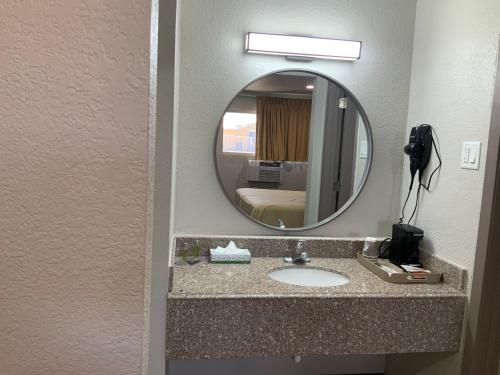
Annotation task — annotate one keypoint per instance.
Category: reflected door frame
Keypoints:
(337, 176)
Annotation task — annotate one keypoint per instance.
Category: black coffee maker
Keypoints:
(404, 244)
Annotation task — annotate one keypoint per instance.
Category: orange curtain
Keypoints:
(282, 129)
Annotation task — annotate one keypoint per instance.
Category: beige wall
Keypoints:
(454, 63)
(73, 185)
(213, 68)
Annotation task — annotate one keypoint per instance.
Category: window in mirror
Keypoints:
(239, 133)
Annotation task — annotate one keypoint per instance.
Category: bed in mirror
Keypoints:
(293, 150)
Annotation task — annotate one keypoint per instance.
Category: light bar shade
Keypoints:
(300, 46)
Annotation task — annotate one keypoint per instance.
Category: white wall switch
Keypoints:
(471, 153)
(363, 150)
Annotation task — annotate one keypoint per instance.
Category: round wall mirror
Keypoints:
(293, 150)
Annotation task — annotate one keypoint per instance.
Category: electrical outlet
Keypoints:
(471, 153)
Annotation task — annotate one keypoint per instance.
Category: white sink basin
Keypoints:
(305, 276)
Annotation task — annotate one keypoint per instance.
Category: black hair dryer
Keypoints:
(419, 150)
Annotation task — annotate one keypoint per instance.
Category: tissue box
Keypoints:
(230, 254)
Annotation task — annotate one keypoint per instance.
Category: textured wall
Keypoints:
(213, 68)
(73, 184)
(454, 63)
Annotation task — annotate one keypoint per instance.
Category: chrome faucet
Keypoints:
(301, 257)
(281, 224)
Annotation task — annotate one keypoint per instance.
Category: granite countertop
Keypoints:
(206, 280)
(367, 315)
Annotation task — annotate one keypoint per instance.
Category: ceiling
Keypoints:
(282, 83)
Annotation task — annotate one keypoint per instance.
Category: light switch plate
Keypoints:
(363, 150)
(471, 153)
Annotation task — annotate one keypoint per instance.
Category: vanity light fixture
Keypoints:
(302, 47)
(310, 87)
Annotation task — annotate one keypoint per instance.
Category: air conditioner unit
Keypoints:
(264, 171)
